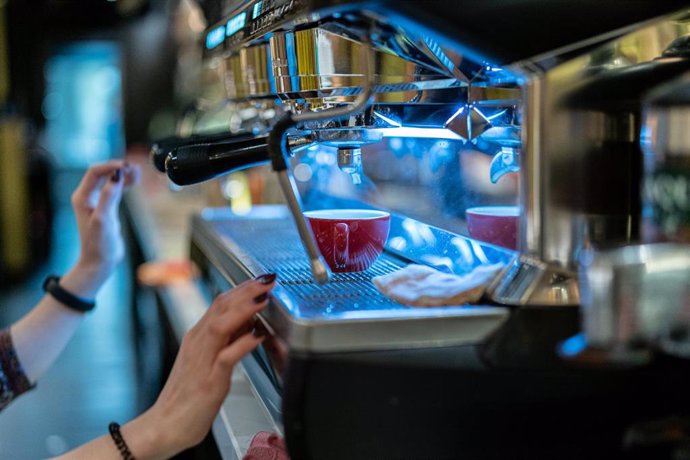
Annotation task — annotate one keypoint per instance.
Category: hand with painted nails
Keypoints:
(199, 381)
(40, 336)
(96, 204)
(200, 378)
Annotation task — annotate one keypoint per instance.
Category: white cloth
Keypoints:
(423, 286)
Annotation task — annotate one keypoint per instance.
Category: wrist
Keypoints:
(84, 280)
(146, 439)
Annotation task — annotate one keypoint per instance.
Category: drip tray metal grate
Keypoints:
(276, 247)
(346, 314)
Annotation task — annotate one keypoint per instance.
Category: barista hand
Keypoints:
(96, 203)
(200, 378)
(40, 336)
(198, 382)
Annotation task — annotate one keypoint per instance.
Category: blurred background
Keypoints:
(80, 82)
(77, 79)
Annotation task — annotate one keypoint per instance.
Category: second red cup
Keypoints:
(494, 224)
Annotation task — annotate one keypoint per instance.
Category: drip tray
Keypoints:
(346, 314)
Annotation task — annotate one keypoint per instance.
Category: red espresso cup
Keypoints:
(350, 240)
(494, 224)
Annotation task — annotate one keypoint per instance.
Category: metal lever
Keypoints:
(278, 150)
(191, 164)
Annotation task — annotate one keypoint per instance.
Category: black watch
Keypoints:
(51, 285)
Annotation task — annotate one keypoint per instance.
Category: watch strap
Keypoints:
(51, 285)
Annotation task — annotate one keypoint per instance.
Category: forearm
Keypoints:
(144, 440)
(41, 335)
(198, 382)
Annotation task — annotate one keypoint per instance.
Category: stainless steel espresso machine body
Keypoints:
(374, 104)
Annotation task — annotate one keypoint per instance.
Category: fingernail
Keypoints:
(267, 278)
(116, 175)
(260, 298)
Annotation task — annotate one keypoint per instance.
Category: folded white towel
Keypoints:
(423, 286)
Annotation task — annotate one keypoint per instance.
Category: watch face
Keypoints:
(50, 282)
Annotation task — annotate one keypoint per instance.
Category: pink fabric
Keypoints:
(266, 446)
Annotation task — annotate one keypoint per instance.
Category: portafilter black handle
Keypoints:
(192, 164)
(162, 147)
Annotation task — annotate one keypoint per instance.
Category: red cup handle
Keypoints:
(341, 244)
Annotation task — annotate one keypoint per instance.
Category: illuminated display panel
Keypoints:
(256, 9)
(215, 37)
(235, 24)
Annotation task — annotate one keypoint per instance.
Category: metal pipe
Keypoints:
(318, 265)
(278, 150)
(350, 162)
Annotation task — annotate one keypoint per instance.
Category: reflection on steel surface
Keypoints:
(582, 141)
(637, 297)
(348, 293)
(574, 140)
(347, 313)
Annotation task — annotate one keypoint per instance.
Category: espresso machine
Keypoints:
(407, 106)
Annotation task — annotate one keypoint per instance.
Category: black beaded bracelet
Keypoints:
(120, 443)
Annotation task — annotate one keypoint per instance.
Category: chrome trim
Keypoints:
(529, 281)
(567, 137)
(319, 64)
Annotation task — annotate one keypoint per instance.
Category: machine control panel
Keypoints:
(252, 21)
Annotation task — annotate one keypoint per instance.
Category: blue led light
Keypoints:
(426, 133)
(235, 24)
(256, 10)
(215, 37)
(573, 346)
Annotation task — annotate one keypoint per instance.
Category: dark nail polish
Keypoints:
(267, 278)
(116, 175)
(261, 298)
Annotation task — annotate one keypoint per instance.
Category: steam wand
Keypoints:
(278, 150)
